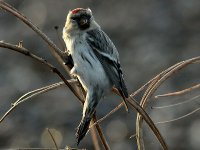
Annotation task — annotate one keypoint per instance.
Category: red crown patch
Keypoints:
(76, 10)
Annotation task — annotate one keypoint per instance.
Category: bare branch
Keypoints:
(94, 138)
(172, 120)
(56, 52)
(26, 52)
(30, 95)
(101, 135)
(37, 149)
(159, 79)
(148, 120)
(107, 115)
(54, 141)
(179, 92)
(173, 105)
(146, 117)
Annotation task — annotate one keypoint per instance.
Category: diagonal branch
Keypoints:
(26, 52)
(29, 95)
(141, 111)
(159, 79)
(186, 115)
(177, 104)
(53, 139)
(179, 92)
(55, 51)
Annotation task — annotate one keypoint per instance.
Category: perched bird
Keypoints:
(95, 62)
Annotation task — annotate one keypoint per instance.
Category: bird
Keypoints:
(95, 63)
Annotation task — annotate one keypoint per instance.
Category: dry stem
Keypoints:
(54, 141)
(157, 81)
(179, 92)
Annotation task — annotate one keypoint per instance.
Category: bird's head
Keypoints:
(80, 19)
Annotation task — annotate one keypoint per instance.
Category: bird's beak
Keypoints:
(84, 21)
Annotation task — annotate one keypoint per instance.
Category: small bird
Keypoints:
(95, 62)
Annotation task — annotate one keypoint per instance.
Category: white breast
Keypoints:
(86, 66)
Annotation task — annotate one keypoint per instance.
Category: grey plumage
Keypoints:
(96, 62)
(104, 51)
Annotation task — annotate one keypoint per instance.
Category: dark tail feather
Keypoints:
(82, 129)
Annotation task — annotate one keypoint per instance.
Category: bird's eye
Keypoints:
(73, 18)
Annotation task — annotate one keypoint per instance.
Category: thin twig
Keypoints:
(146, 117)
(54, 141)
(179, 92)
(107, 115)
(70, 148)
(101, 135)
(172, 120)
(173, 105)
(26, 52)
(150, 81)
(36, 148)
(56, 52)
(148, 120)
(38, 91)
(94, 137)
(29, 95)
(152, 88)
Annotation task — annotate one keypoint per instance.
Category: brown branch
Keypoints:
(67, 148)
(140, 110)
(26, 52)
(37, 148)
(172, 120)
(30, 95)
(101, 135)
(55, 51)
(150, 81)
(94, 137)
(107, 115)
(146, 117)
(176, 104)
(159, 79)
(148, 120)
(179, 92)
(54, 141)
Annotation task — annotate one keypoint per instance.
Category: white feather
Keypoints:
(88, 76)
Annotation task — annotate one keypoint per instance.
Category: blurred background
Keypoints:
(150, 35)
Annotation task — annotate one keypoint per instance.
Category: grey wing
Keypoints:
(103, 48)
